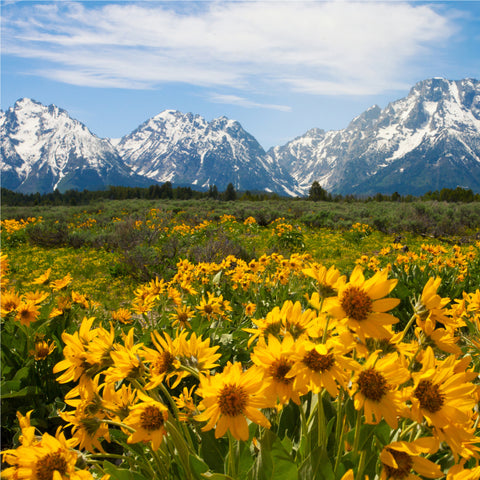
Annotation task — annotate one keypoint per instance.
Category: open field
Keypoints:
(249, 340)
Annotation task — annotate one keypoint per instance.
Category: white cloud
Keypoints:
(246, 103)
(322, 47)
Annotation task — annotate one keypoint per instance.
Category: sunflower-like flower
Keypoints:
(164, 362)
(441, 395)
(250, 309)
(400, 458)
(328, 279)
(36, 297)
(459, 472)
(275, 359)
(4, 267)
(43, 279)
(181, 317)
(375, 388)
(232, 397)
(290, 319)
(27, 312)
(127, 360)
(210, 307)
(443, 338)
(323, 365)
(80, 299)
(117, 402)
(42, 348)
(362, 305)
(122, 315)
(186, 405)
(86, 420)
(61, 283)
(431, 305)
(86, 352)
(196, 354)
(51, 458)
(9, 301)
(28, 431)
(148, 420)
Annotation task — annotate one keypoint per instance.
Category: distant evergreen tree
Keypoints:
(213, 192)
(230, 194)
(317, 193)
(166, 190)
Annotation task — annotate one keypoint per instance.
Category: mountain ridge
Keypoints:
(427, 140)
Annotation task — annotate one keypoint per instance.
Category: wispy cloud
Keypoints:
(312, 47)
(246, 103)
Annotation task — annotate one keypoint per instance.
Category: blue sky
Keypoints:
(278, 67)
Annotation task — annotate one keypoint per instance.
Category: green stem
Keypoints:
(118, 424)
(321, 420)
(356, 439)
(174, 407)
(409, 324)
(325, 331)
(339, 425)
(160, 463)
(339, 445)
(361, 465)
(304, 431)
(107, 455)
(232, 470)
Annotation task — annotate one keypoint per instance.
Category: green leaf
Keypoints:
(213, 450)
(216, 278)
(22, 373)
(317, 465)
(273, 461)
(217, 476)
(24, 392)
(289, 422)
(382, 432)
(197, 466)
(121, 473)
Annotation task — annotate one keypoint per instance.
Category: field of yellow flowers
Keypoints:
(159, 346)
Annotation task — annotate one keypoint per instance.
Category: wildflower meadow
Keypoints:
(154, 343)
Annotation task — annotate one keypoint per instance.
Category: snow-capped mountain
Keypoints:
(428, 140)
(42, 149)
(185, 149)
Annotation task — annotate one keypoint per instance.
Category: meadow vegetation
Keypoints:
(251, 339)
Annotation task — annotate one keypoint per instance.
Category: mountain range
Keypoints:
(428, 140)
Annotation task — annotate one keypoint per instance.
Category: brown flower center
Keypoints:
(182, 317)
(404, 462)
(208, 309)
(232, 400)
(279, 369)
(50, 463)
(429, 395)
(26, 313)
(152, 418)
(372, 384)
(42, 350)
(356, 303)
(317, 362)
(164, 363)
(10, 305)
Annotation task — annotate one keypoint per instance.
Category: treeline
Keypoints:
(459, 194)
(167, 191)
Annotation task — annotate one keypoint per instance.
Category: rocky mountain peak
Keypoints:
(427, 140)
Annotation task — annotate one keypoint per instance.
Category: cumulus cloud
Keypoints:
(320, 48)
